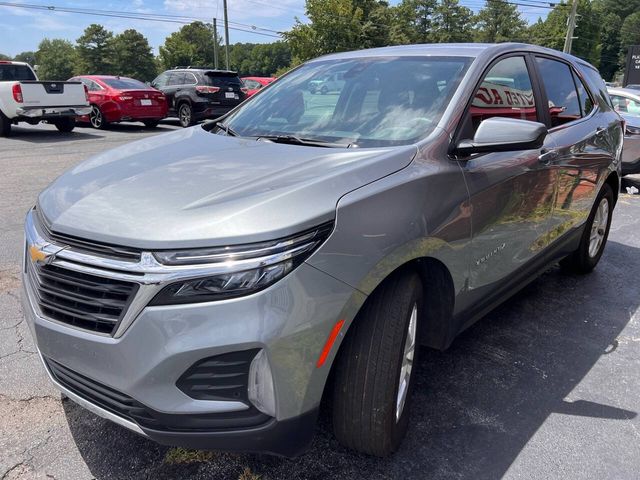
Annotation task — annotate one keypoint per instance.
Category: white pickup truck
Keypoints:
(24, 99)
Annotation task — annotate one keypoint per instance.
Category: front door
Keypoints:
(511, 193)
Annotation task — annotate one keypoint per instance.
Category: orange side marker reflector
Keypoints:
(330, 341)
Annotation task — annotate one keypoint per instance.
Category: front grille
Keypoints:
(85, 301)
(130, 409)
(89, 246)
(223, 377)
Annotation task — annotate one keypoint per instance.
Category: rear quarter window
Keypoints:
(597, 86)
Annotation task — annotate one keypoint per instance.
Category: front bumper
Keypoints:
(48, 113)
(290, 321)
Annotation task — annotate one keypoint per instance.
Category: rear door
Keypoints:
(585, 143)
(174, 83)
(511, 193)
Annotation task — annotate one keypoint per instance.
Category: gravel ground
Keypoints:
(544, 387)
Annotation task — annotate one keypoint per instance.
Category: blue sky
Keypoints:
(22, 29)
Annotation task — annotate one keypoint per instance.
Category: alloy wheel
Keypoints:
(599, 227)
(185, 115)
(407, 363)
(95, 117)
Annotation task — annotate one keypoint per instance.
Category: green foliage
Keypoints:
(95, 51)
(55, 59)
(500, 21)
(4, 57)
(339, 25)
(259, 59)
(27, 57)
(610, 45)
(630, 33)
(452, 22)
(132, 56)
(193, 44)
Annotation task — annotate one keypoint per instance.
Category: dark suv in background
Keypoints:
(197, 93)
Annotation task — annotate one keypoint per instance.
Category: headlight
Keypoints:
(247, 268)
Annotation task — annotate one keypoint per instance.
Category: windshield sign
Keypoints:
(364, 102)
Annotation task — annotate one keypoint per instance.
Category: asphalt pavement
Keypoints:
(544, 387)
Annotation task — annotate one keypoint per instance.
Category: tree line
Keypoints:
(605, 29)
(99, 52)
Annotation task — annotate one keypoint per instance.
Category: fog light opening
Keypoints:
(261, 391)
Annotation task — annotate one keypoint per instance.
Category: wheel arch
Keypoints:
(614, 182)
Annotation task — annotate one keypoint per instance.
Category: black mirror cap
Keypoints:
(499, 134)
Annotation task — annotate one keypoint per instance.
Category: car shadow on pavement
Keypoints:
(39, 135)
(475, 407)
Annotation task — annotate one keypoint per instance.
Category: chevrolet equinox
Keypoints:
(200, 287)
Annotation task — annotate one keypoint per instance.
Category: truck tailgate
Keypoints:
(53, 94)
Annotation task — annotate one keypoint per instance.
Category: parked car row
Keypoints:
(189, 93)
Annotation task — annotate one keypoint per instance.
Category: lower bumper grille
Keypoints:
(85, 301)
(126, 407)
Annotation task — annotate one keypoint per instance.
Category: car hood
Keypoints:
(192, 188)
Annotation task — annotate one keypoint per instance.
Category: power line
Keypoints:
(151, 17)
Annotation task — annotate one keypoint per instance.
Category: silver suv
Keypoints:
(201, 287)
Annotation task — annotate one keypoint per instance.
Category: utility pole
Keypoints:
(226, 33)
(215, 43)
(571, 25)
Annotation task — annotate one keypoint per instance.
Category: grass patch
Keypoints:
(247, 474)
(182, 455)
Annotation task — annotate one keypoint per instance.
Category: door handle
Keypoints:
(547, 156)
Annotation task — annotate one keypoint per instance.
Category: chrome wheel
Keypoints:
(95, 117)
(407, 362)
(599, 227)
(185, 115)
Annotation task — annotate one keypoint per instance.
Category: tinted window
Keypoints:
(190, 78)
(251, 84)
(384, 101)
(124, 83)
(586, 104)
(176, 78)
(10, 72)
(161, 80)
(557, 78)
(218, 80)
(598, 86)
(505, 91)
(625, 105)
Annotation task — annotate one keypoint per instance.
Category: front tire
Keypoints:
(185, 115)
(5, 125)
(374, 372)
(65, 125)
(595, 235)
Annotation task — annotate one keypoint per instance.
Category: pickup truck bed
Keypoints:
(25, 99)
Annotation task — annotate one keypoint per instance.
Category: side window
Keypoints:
(564, 106)
(175, 78)
(505, 91)
(625, 105)
(160, 80)
(586, 104)
(93, 86)
(252, 84)
(190, 79)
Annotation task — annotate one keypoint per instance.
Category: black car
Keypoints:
(197, 93)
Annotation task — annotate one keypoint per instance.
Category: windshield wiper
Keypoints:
(293, 140)
(225, 128)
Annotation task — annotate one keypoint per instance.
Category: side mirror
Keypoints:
(499, 134)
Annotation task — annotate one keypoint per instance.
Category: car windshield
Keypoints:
(380, 101)
(125, 84)
(15, 72)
